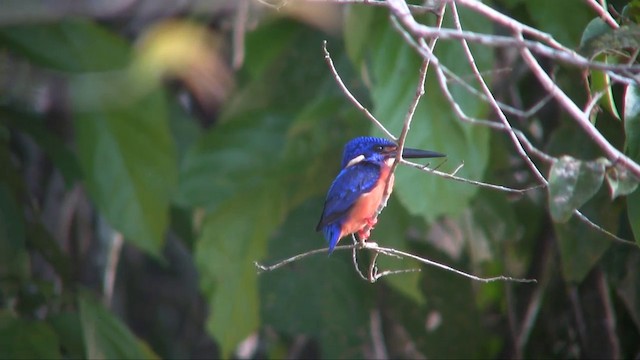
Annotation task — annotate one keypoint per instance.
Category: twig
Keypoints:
(468, 181)
(383, 250)
(613, 154)
(492, 101)
(349, 96)
(111, 269)
(603, 13)
(412, 110)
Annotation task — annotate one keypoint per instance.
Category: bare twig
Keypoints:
(352, 98)
(492, 101)
(412, 110)
(383, 250)
(603, 13)
(613, 154)
(111, 270)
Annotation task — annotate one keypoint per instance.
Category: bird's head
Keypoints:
(377, 150)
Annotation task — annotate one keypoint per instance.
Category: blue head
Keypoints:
(376, 150)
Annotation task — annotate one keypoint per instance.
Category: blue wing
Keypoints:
(346, 189)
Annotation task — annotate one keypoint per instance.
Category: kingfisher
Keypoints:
(362, 187)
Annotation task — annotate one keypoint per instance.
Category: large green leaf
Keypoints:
(105, 336)
(236, 155)
(552, 16)
(581, 246)
(27, 339)
(320, 296)
(391, 231)
(14, 259)
(129, 163)
(632, 148)
(394, 72)
(76, 45)
(233, 237)
(571, 184)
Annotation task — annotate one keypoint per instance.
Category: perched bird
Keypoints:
(357, 194)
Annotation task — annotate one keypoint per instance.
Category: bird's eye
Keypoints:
(378, 148)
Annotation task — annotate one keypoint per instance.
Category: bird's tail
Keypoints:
(332, 234)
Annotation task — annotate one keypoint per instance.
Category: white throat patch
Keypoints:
(355, 160)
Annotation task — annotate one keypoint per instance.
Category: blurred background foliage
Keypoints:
(151, 151)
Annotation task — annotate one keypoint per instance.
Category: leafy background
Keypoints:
(133, 125)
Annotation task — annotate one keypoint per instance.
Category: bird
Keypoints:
(357, 194)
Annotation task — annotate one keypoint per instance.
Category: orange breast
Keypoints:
(366, 208)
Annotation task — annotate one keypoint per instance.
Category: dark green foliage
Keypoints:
(93, 146)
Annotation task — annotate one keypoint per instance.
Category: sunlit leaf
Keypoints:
(320, 296)
(106, 337)
(129, 163)
(572, 183)
(600, 82)
(233, 237)
(27, 339)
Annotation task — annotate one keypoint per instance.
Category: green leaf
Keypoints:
(129, 162)
(51, 145)
(76, 45)
(69, 330)
(632, 148)
(391, 231)
(236, 155)
(27, 339)
(581, 247)
(621, 181)
(632, 121)
(394, 71)
(105, 336)
(571, 184)
(320, 296)
(564, 20)
(601, 82)
(14, 259)
(233, 237)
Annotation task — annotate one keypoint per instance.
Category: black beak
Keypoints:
(420, 154)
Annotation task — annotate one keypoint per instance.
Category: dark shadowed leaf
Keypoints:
(320, 296)
(69, 330)
(105, 336)
(581, 246)
(572, 183)
(233, 237)
(27, 339)
(14, 259)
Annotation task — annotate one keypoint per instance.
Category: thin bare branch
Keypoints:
(350, 96)
(492, 101)
(383, 250)
(613, 154)
(603, 13)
